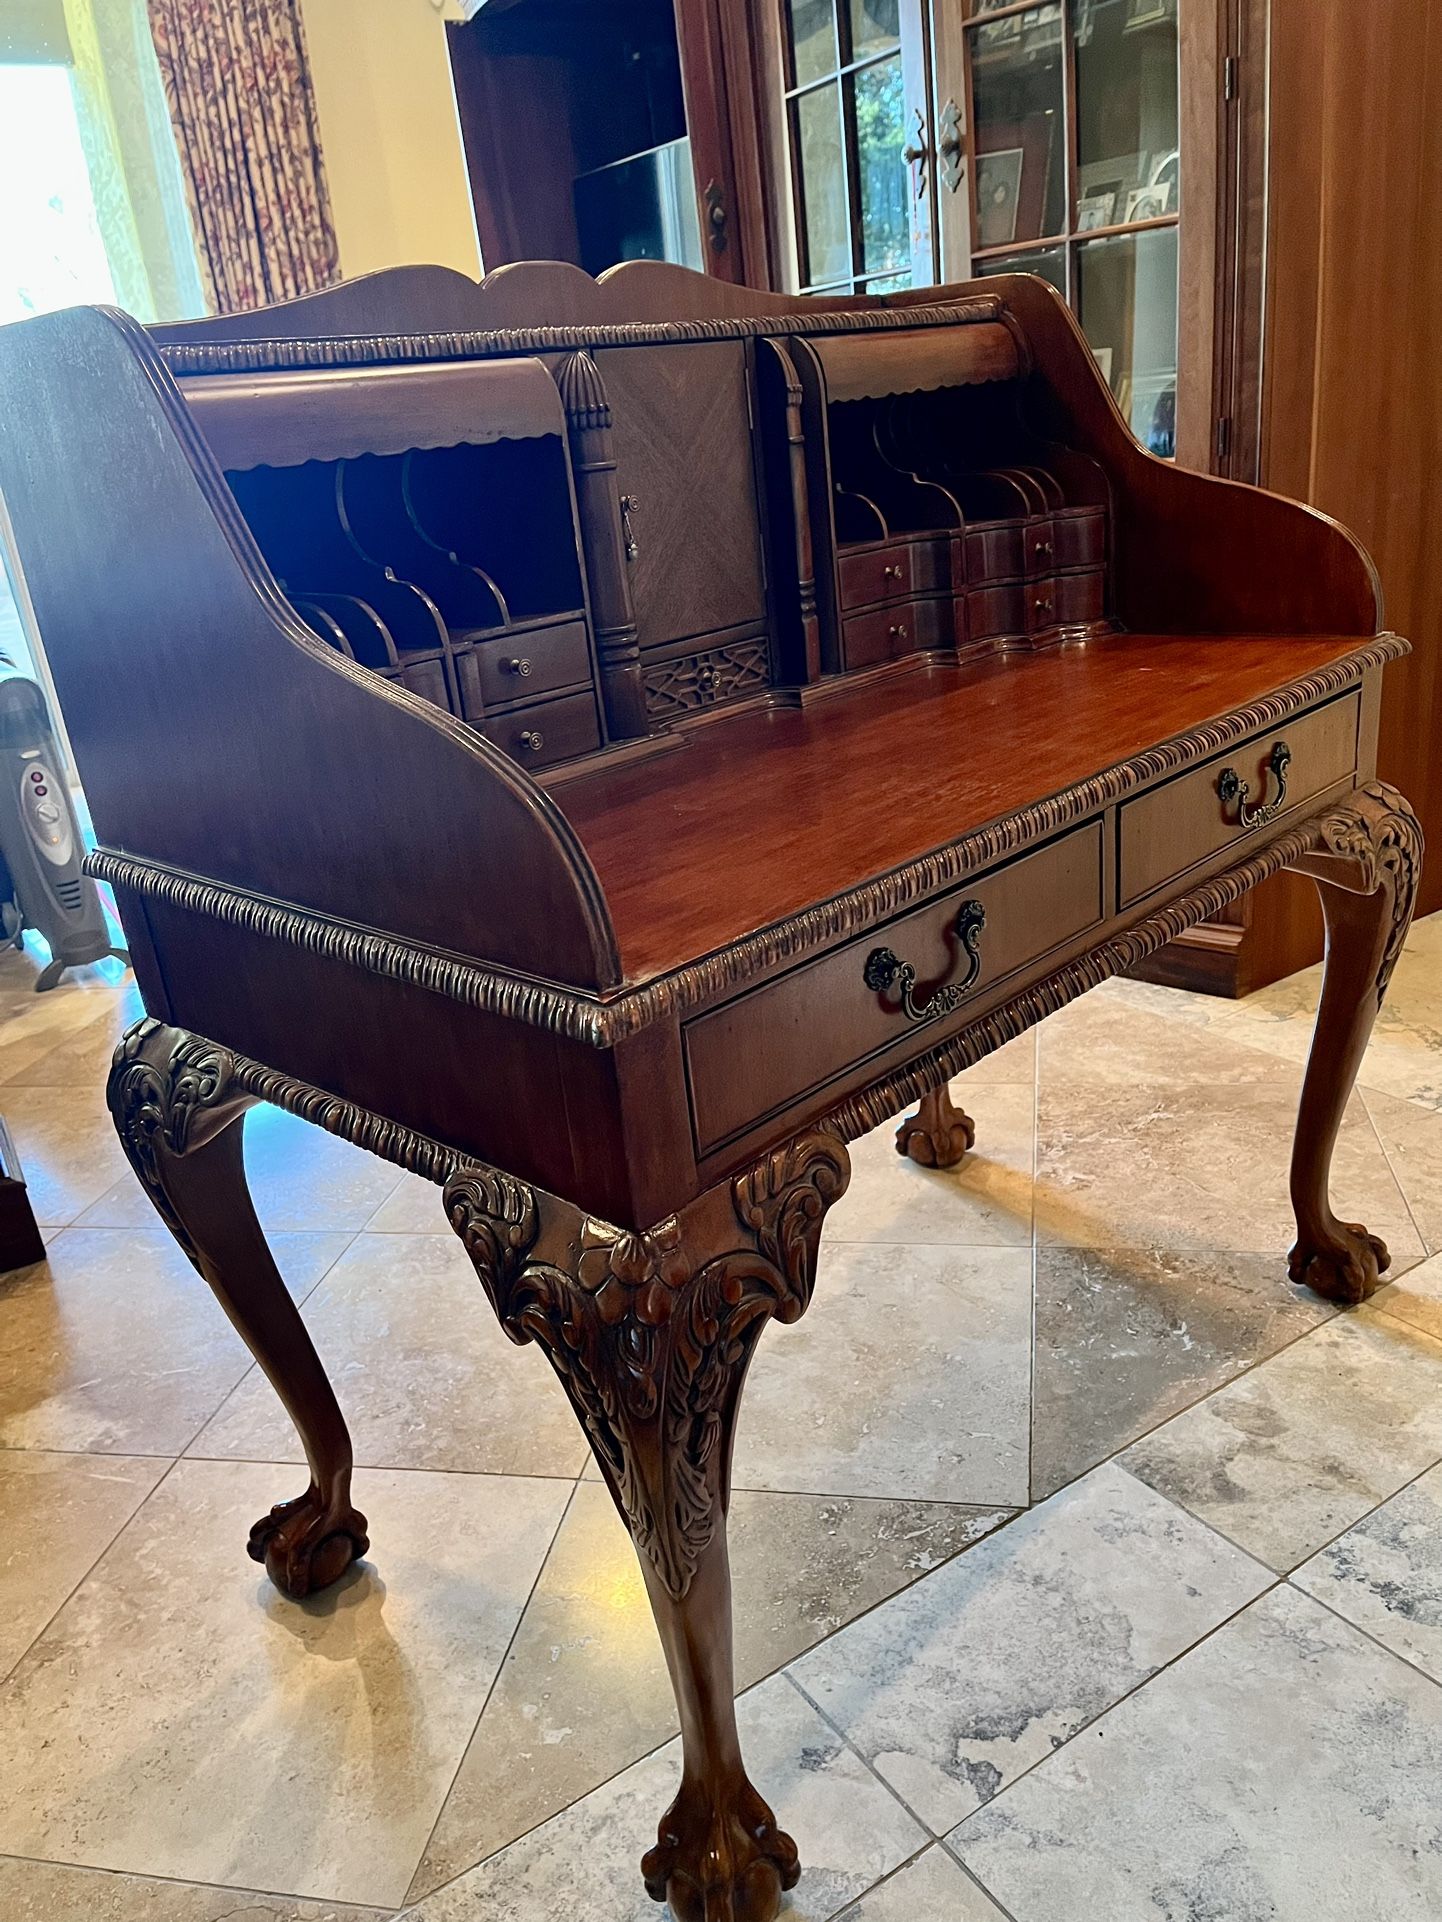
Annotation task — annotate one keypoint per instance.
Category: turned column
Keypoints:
(607, 541)
(651, 1335)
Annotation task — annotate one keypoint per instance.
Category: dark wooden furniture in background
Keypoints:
(599, 130)
(21, 1242)
(914, 700)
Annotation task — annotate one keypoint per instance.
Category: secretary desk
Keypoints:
(604, 746)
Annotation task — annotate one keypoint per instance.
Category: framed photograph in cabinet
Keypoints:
(998, 195)
(1095, 210)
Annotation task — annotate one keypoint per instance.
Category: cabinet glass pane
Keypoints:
(893, 284)
(1127, 303)
(825, 219)
(882, 173)
(1017, 84)
(813, 39)
(875, 26)
(1048, 262)
(1126, 95)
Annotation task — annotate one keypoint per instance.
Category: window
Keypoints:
(51, 251)
(846, 105)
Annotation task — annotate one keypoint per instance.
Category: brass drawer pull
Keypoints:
(883, 970)
(1232, 787)
(518, 664)
(1043, 550)
(1043, 603)
(890, 572)
(897, 632)
(532, 740)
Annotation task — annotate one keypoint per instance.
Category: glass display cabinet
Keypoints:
(970, 137)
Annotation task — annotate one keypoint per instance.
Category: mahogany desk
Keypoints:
(605, 766)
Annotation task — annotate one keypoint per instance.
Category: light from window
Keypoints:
(51, 252)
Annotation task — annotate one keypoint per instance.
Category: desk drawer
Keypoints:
(875, 574)
(519, 667)
(547, 731)
(1185, 821)
(795, 1034)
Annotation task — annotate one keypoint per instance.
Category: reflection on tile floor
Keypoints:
(965, 1714)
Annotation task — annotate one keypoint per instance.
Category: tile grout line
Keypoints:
(441, 1805)
(1145, 1681)
(1392, 1654)
(254, 1367)
(382, 1914)
(74, 1590)
(976, 1881)
(1391, 1169)
(932, 1839)
(392, 1468)
(781, 1669)
(1375, 1509)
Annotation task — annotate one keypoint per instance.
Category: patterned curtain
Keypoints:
(237, 81)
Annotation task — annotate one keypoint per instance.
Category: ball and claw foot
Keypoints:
(727, 1864)
(938, 1135)
(308, 1543)
(1346, 1265)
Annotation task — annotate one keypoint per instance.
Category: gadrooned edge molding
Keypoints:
(602, 1022)
(884, 1097)
(266, 356)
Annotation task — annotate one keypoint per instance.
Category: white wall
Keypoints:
(388, 128)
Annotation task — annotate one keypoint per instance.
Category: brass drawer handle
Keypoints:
(890, 572)
(1232, 787)
(1043, 603)
(897, 631)
(518, 664)
(1043, 550)
(883, 970)
(533, 740)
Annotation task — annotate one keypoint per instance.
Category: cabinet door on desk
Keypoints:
(683, 455)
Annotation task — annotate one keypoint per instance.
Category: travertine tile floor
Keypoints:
(1085, 1569)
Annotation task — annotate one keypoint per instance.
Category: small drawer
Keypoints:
(547, 731)
(518, 667)
(995, 551)
(876, 574)
(997, 613)
(1079, 536)
(795, 1034)
(1169, 830)
(867, 639)
(1065, 600)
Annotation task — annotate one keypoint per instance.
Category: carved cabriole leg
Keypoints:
(177, 1110)
(1366, 864)
(651, 1335)
(938, 1135)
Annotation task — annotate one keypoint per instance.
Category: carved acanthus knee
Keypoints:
(650, 1333)
(170, 1092)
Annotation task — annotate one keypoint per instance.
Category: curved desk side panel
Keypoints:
(1193, 553)
(215, 733)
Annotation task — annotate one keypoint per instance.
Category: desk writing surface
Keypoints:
(765, 814)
